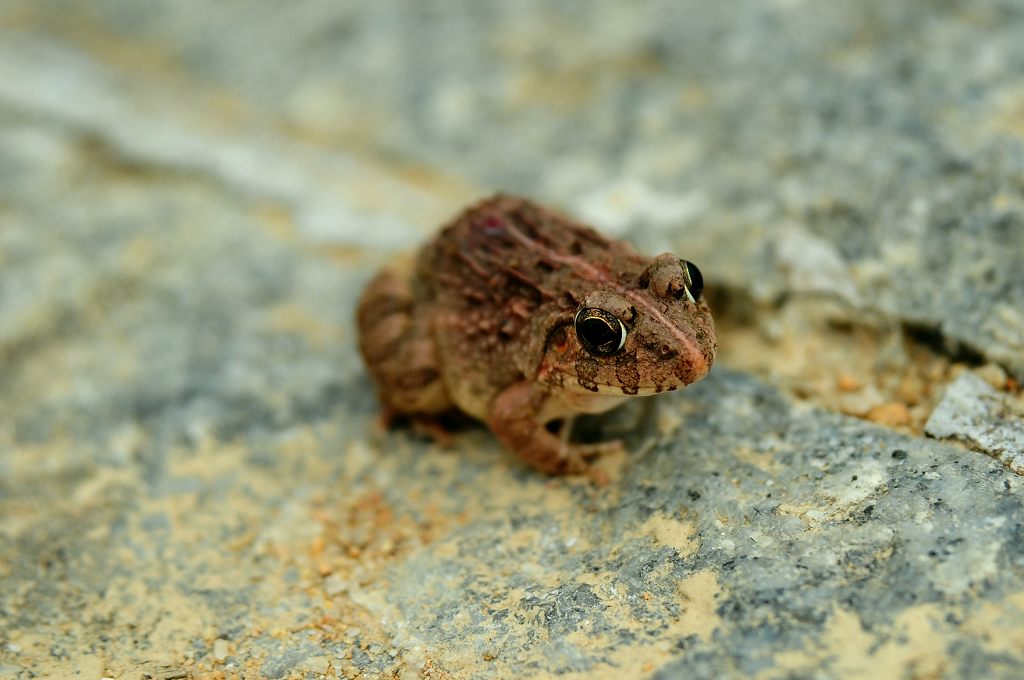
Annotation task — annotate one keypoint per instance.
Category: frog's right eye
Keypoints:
(602, 334)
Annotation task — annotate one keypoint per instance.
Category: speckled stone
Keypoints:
(191, 196)
(985, 419)
(757, 539)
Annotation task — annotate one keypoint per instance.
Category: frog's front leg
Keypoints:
(514, 421)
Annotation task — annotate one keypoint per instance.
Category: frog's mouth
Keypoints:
(631, 378)
(622, 391)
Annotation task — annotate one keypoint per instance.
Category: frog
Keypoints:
(524, 319)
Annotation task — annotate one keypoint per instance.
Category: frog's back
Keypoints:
(507, 250)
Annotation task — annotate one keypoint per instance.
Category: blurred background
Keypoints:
(861, 156)
(193, 194)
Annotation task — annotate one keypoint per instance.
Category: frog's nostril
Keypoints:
(668, 352)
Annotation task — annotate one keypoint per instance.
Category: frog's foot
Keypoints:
(387, 417)
(553, 460)
(513, 420)
(433, 428)
(597, 449)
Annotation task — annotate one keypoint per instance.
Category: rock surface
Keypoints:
(973, 412)
(192, 480)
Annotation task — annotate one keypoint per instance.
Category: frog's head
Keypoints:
(653, 335)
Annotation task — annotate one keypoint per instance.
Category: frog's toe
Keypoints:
(597, 449)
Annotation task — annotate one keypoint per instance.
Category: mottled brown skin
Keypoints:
(484, 322)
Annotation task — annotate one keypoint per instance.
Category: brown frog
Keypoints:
(523, 319)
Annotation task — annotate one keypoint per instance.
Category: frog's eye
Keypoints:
(695, 280)
(602, 334)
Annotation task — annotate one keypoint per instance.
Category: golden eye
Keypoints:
(601, 334)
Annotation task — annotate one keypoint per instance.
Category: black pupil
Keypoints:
(696, 279)
(599, 334)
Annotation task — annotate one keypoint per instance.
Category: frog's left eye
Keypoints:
(695, 280)
(602, 334)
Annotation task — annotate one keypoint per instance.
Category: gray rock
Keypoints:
(986, 420)
(192, 195)
(755, 538)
